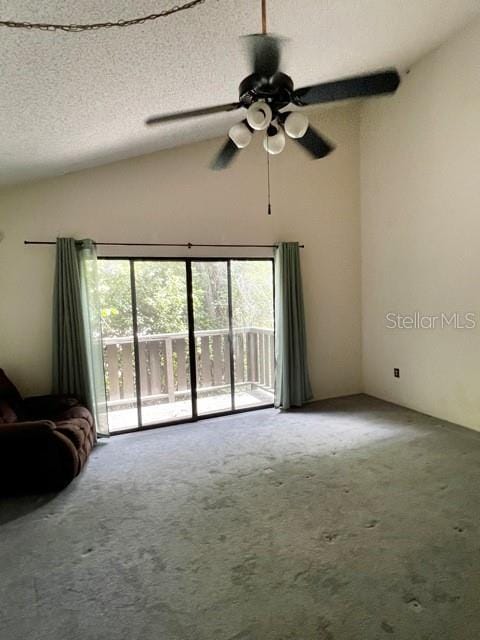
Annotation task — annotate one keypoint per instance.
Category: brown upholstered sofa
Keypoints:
(44, 440)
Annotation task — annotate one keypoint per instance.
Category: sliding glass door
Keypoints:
(114, 279)
(162, 341)
(211, 313)
(253, 344)
(185, 338)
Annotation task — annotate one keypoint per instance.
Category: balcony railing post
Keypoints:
(181, 364)
(226, 358)
(112, 368)
(169, 367)
(271, 361)
(126, 364)
(217, 360)
(251, 356)
(239, 357)
(206, 375)
(266, 342)
(155, 367)
(143, 373)
(261, 360)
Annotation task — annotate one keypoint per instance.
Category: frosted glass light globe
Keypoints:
(240, 134)
(259, 115)
(274, 144)
(296, 124)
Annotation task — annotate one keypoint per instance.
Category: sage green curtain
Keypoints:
(77, 337)
(292, 382)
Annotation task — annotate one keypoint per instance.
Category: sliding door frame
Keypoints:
(231, 358)
(136, 352)
(191, 339)
(191, 342)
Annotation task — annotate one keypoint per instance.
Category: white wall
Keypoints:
(172, 196)
(420, 177)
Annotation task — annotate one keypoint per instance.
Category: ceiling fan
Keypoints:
(266, 93)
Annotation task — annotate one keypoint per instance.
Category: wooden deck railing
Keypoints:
(165, 369)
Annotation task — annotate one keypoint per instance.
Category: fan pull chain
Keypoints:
(269, 208)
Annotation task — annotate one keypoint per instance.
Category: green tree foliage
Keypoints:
(252, 293)
(161, 296)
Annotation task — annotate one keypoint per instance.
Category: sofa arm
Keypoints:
(25, 429)
(50, 406)
(35, 457)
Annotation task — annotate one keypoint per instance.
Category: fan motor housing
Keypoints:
(276, 90)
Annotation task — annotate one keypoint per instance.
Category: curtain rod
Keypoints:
(188, 245)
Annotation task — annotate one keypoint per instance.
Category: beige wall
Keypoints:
(171, 196)
(420, 177)
(420, 202)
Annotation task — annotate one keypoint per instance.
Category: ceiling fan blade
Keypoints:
(264, 53)
(316, 145)
(372, 84)
(169, 117)
(225, 156)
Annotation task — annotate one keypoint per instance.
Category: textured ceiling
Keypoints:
(69, 101)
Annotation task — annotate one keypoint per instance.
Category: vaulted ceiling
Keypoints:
(69, 101)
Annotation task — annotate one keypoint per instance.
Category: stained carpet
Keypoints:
(353, 519)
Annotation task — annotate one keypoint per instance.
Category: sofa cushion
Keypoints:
(7, 414)
(10, 394)
(50, 406)
(76, 412)
(81, 434)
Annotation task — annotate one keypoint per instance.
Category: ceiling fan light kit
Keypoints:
(296, 125)
(259, 115)
(240, 134)
(274, 141)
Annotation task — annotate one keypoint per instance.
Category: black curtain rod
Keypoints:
(189, 245)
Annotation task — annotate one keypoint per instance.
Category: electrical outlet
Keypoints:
(396, 373)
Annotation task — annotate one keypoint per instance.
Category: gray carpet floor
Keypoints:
(353, 519)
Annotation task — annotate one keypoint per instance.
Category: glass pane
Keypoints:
(210, 307)
(252, 309)
(117, 333)
(162, 319)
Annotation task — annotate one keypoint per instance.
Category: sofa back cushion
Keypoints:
(7, 414)
(10, 394)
